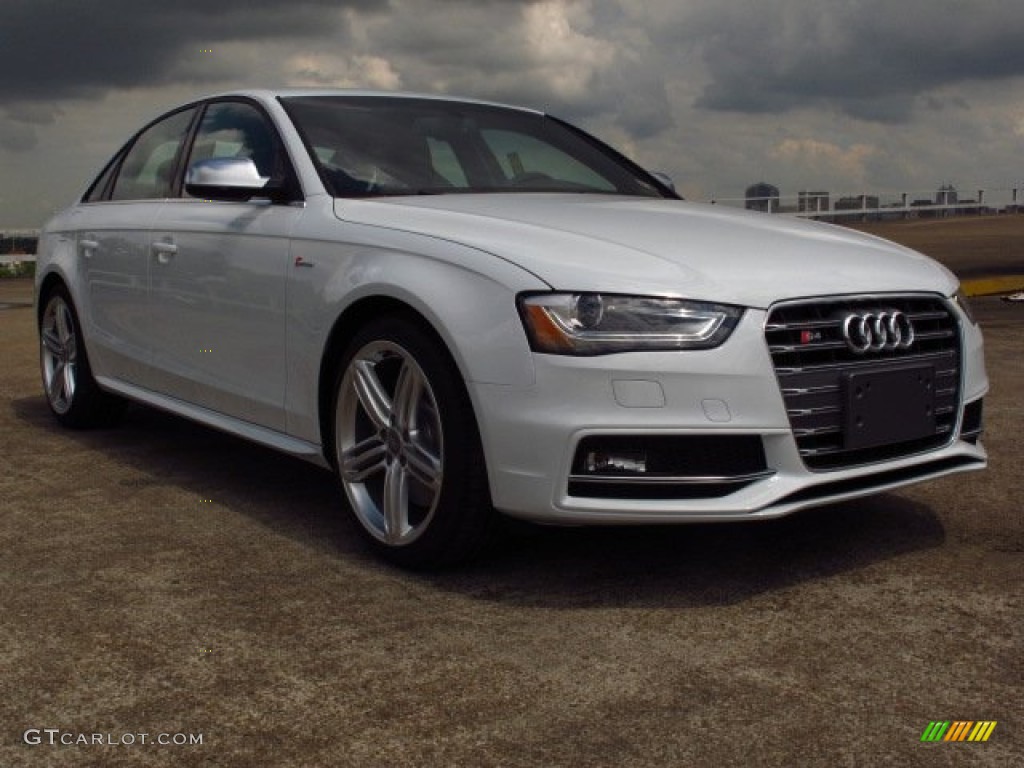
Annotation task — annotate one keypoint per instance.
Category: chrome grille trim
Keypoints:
(810, 374)
(673, 480)
(867, 363)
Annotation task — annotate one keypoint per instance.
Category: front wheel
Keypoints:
(407, 448)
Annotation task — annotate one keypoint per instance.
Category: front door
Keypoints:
(218, 281)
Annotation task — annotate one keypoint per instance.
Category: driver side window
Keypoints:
(237, 129)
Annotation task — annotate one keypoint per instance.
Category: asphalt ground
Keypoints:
(162, 578)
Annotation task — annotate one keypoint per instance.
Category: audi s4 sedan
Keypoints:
(465, 309)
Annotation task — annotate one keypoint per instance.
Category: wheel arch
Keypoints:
(346, 325)
(85, 403)
(49, 283)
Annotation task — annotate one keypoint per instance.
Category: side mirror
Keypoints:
(228, 178)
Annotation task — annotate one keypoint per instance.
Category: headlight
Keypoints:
(599, 324)
(961, 300)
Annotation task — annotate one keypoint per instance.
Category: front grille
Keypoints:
(814, 367)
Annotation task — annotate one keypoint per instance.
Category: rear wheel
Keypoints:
(407, 448)
(71, 391)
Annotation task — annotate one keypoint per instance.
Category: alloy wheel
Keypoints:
(390, 444)
(59, 350)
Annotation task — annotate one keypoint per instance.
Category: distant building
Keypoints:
(867, 203)
(812, 202)
(946, 195)
(857, 203)
(18, 242)
(762, 197)
(922, 208)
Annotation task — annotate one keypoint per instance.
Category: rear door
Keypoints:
(113, 227)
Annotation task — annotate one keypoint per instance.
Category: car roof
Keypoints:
(267, 95)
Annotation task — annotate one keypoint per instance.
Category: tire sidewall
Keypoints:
(464, 500)
(90, 406)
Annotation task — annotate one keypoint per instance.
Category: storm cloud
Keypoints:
(818, 93)
(55, 50)
(870, 59)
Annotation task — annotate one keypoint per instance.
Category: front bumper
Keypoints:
(531, 435)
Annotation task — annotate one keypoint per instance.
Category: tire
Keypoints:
(407, 448)
(72, 393)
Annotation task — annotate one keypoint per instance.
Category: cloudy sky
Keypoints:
(843, 95)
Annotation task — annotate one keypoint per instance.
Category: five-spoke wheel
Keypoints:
(406, 446)
(59, 354)
(71, 391)
(391, 447)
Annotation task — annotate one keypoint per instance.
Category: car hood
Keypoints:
(667, 247)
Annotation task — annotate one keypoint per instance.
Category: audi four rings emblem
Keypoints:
(875, 331)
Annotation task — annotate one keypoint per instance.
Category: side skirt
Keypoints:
(293, 446)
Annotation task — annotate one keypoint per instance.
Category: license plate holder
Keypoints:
(894, 405)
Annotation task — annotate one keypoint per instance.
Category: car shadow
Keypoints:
(698, 564)
(288, 495)
(528, 565)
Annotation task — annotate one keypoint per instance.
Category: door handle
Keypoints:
(88, 244)
(164, 251)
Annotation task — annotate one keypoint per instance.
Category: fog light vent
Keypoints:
(666, 466)
(633, 462)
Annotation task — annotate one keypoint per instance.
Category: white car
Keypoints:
(464, 307)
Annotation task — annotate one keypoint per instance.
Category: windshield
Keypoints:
(365, 146)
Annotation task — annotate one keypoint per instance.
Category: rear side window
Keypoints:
(98, 190)
(147, 171)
